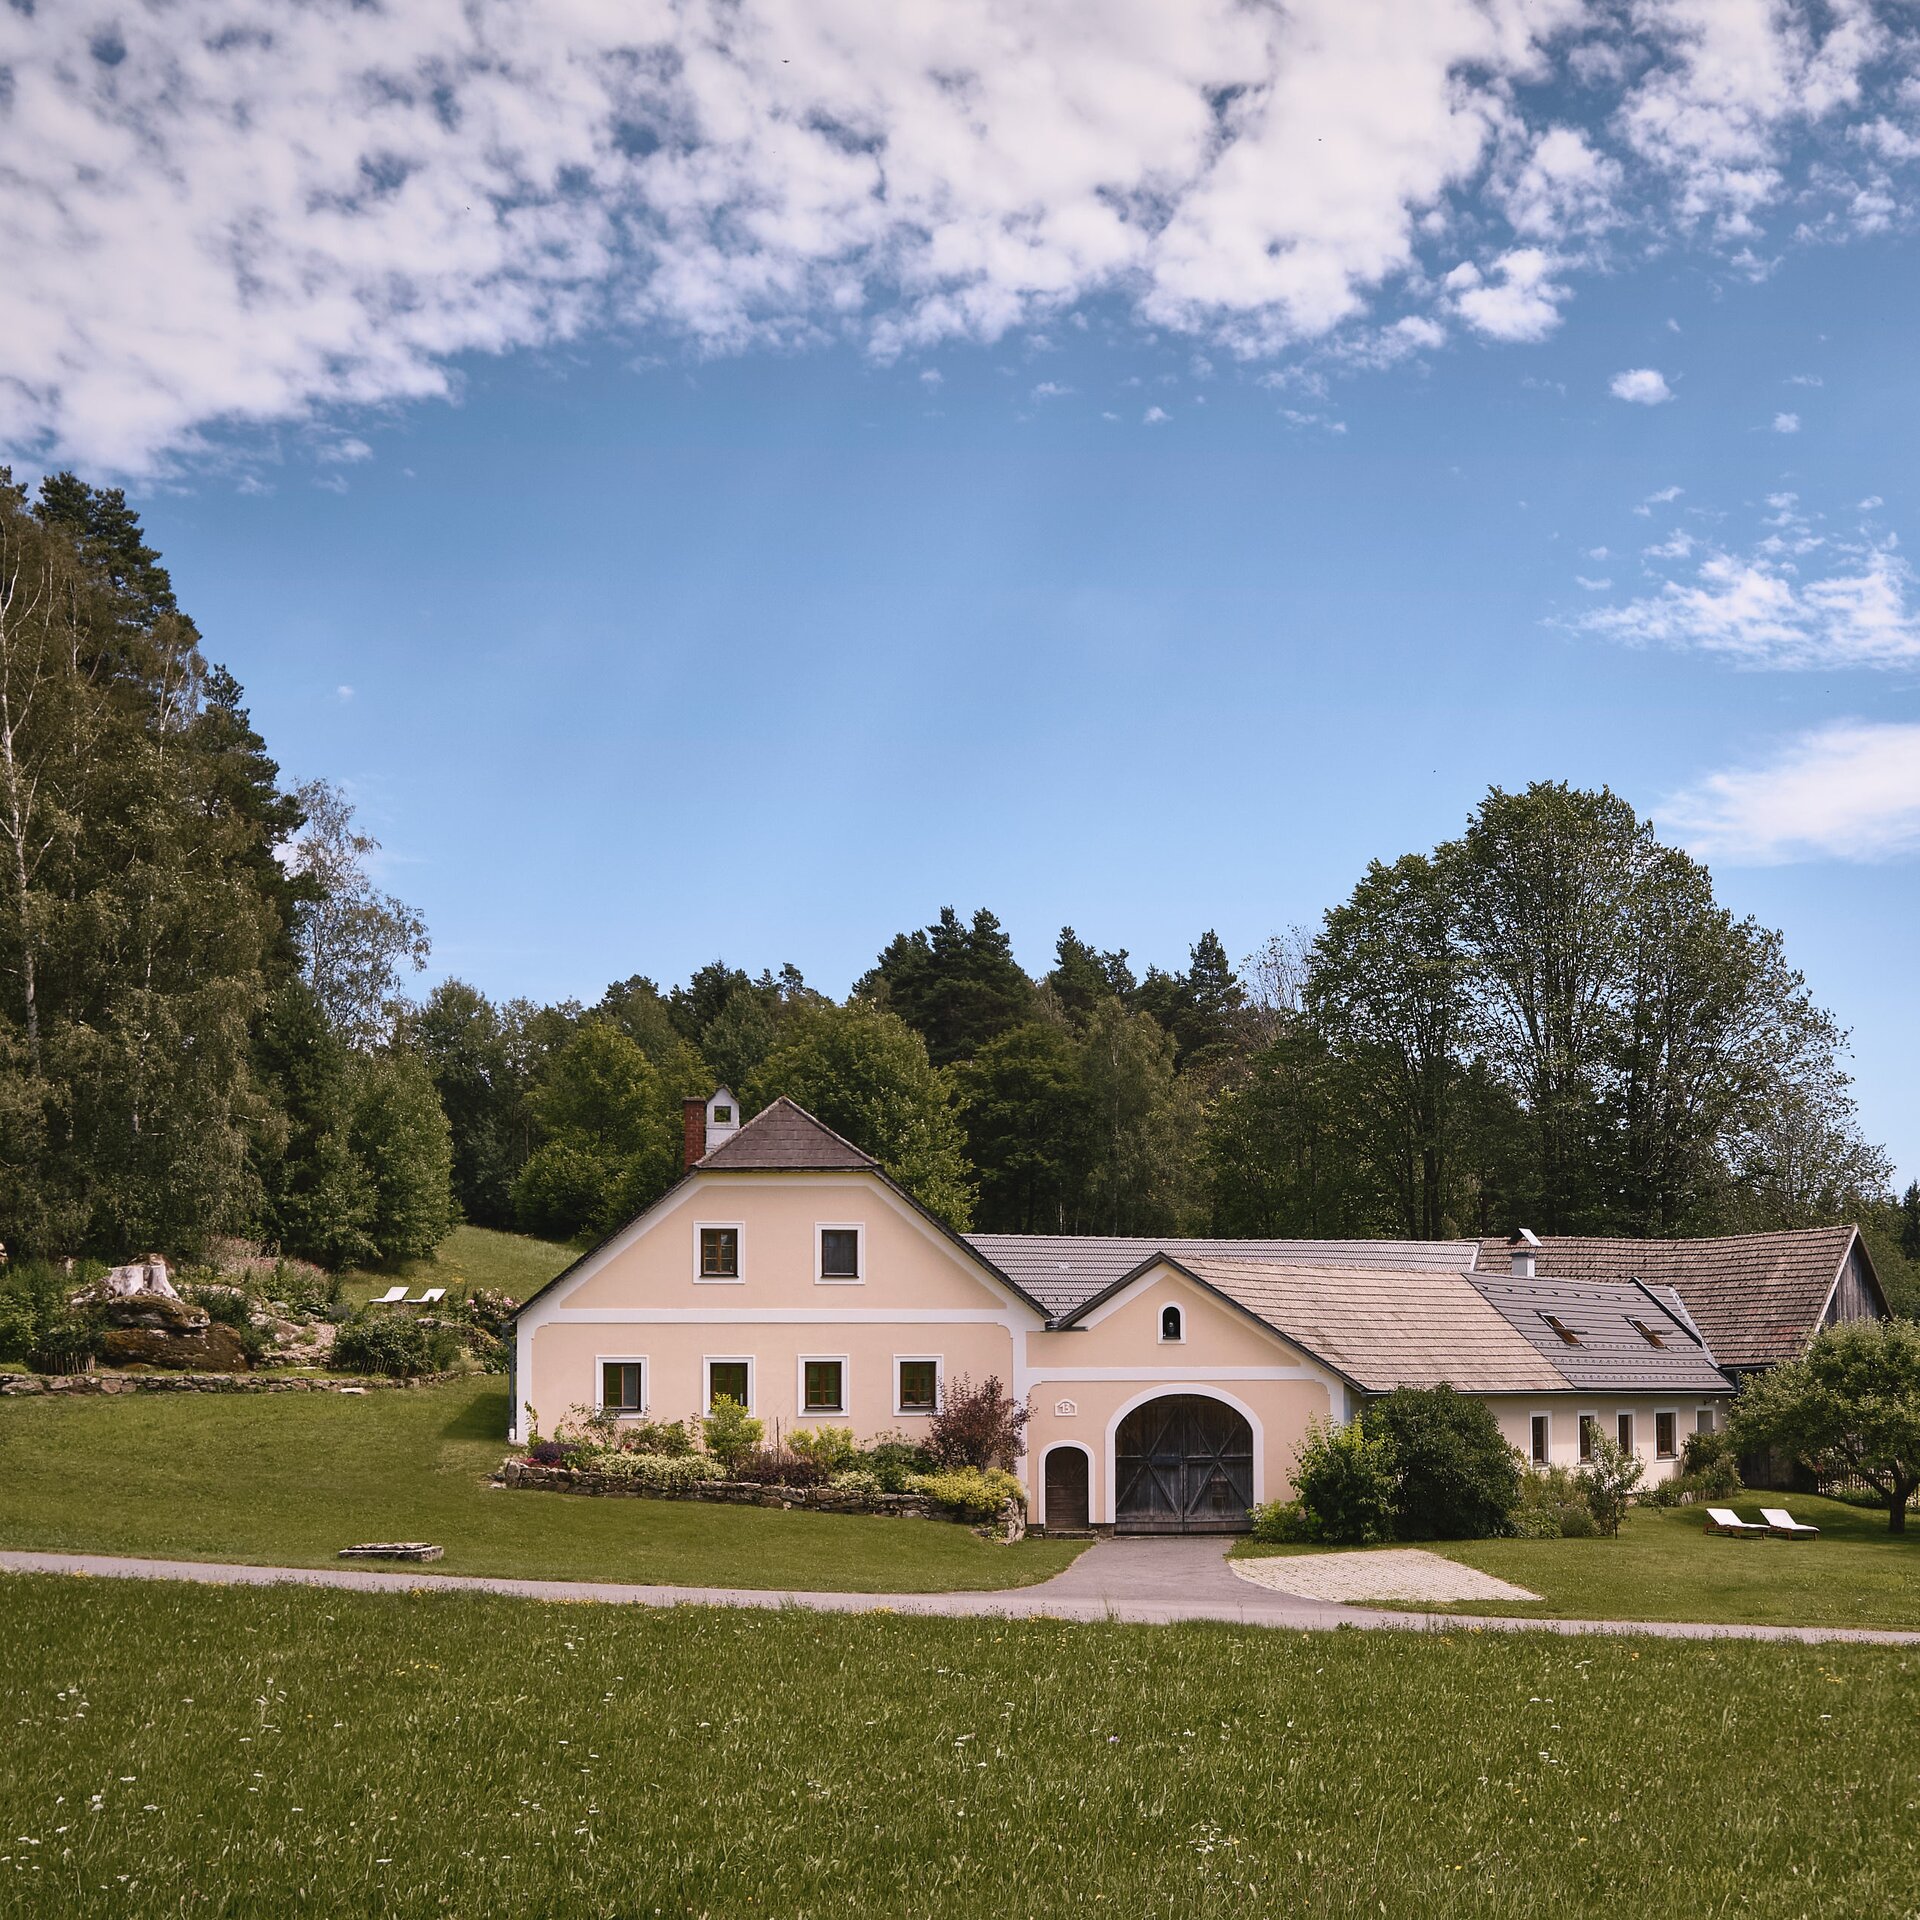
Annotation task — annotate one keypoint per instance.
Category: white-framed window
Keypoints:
(727, 1376)
(1173, 1326)
(1703, 1420)
(839, 1253)
(1623, 1427)
(916, 1383)
(620, 1382)
(823, 1383)
(716, 1253)
(1666, 1436)
(1589, 1426)
(1540, 1438)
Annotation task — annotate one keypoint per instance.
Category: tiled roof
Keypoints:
(1756, 1297)
(1062, 1269)
(787, 1139)
(1612, 1355)
(1387, 1327)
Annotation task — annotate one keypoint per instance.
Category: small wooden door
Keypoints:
(1066, 1490)
(1183, 1464)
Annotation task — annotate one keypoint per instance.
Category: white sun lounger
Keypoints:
(431, 1297)
(391, 1298)
(1780, 1521)
(1725, 1520)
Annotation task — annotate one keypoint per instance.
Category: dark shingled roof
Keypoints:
(1060, 1270)
(1755, 1297)
(1612, 1355)
(784, 1138)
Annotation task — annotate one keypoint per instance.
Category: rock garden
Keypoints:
(961, 1471)
(238, 1314)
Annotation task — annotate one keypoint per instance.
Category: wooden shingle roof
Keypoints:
(1386, 1327)
(1756, 1298)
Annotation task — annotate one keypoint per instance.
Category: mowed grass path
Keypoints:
(190, 1752)
(291, 1478)
(1665, 1566)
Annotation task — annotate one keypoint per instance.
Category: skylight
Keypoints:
(1646, 1333)
(1560, 1327)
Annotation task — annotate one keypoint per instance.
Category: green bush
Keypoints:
(668, 1439)
(856, 1480)
(1536, 1523)
(732, 1433)
(1457, 1477)
(33, 1301)
(831, 1449)
(1280, 1523)
(895, 1463)
(974, 1493)
(1346, 1480)
(1710, 1466)
(403, 1349)
(1577, 1523)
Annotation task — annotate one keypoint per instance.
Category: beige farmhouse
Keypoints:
(1170, 1381)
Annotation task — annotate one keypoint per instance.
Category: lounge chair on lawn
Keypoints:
(1780, 1521)
(432, 1297)
(1725, 1520)
(391, 1298)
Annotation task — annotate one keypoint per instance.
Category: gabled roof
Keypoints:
(1379, 1328)
(1612, 1354)
(1063, 1270)
(1756, 1298)
(786, 1138)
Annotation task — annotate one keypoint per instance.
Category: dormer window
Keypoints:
(1172, 1325)
(1646, 1333)
(722, 1114)
(1566, 1333)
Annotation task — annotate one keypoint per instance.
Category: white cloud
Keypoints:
(1846, 791)
(1869, 503)
(1765, 609)
(1644, 386)
(1786, 423)
(1155, 416)
(343, 693)
(1523, 304)
(232, 211)
(1592, 586)
(344, 452)
(1051, 390)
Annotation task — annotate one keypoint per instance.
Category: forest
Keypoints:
(207, 1030)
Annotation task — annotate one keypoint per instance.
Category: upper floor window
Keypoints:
(1172, 1327)
(840, 1252)
(719, 1253)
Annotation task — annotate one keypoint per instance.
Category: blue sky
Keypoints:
(698, 507)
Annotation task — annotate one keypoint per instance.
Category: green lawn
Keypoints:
(469, 1257)
(182, 1751)
(1665, 1566)
(292, 1478)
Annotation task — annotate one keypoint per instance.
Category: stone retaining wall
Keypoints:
(15, 1384)
(1009, 1526)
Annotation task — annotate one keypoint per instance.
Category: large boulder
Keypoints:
(154, 1312)
(213, 1348)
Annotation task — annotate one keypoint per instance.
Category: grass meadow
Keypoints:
(469, 1258)
(1665, 1566)
(184, 1751)
(291, 1478)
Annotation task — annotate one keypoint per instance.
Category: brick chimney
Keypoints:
(1523, 1243)
(693, 1127)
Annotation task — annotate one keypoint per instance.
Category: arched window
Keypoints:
(1170, 1326)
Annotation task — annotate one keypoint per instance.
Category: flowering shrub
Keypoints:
(549, 1453)
(975, 1493)
(775, 1466)
(658, 1472)
(856, 1480)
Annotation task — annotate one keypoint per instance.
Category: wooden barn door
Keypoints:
(1066, 1490)
(1183, 1464)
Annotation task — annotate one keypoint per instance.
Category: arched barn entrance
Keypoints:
(1183, 1464)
